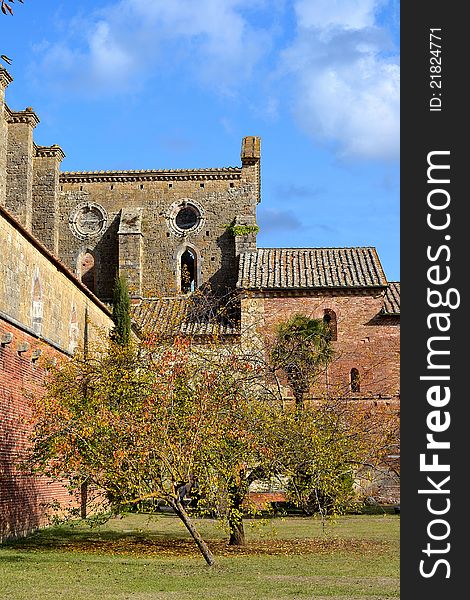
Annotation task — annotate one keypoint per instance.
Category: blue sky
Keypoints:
(143, 84)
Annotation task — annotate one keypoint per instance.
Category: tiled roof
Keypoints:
(306, 268)
(178, 315)
(392, 299)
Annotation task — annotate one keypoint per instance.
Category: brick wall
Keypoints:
(366, 340)
(23, 498)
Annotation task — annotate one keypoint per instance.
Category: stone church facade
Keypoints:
(65, 235)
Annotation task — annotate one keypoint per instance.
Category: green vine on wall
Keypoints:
(241, 229)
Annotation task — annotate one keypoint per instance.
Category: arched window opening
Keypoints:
(329, 318)
(188, 271)
(355, 381)
(37, 306)
(87, 271)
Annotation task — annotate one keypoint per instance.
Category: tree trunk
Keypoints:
(238, 490)
(188, 523)
(237, 532)
(299, 401)
(83, 499)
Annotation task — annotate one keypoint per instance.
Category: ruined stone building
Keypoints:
(65, 235)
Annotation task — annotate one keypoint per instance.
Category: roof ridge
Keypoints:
(313, 248)
(135, 171)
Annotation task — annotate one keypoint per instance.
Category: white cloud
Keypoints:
(347, 14)
(346, 91)
(344, 84)
(133, 39)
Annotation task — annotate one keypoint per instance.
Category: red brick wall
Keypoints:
(22, 497)
(366, 340)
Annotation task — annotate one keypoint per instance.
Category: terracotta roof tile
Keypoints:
(305, 268)
(177, 315)
(392, 299)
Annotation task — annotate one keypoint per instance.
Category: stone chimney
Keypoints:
(250, 157)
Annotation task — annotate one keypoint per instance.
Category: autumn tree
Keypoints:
(330, 438)
(327, 446)
(145, 422)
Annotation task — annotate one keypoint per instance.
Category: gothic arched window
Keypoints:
(87, 270)
(74, 331)
(355, 381)
(188, 271)
(329, 318)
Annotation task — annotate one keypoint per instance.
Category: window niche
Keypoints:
(355, 381)
(37, 304)
(329, 318)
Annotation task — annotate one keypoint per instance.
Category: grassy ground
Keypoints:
(141, 558)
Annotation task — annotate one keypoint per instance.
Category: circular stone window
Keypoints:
(185, 216)
(88, 220)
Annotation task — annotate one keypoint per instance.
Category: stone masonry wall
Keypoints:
(46, 164)
(44, 311)
(220, 195)
(5, 80)
(40, 295)
(19, 192)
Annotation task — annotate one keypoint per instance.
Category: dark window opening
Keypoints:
(188, 271)
(329, 318)
(187, 218)
(355, 381)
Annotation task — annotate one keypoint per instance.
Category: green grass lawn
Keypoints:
(142, 558)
